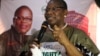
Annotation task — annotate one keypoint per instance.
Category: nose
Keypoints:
(24, 20)
(49, 11)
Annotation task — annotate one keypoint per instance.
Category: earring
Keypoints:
(65, 16)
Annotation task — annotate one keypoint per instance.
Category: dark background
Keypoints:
(98, 3)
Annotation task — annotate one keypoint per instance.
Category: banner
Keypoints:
(79, 14)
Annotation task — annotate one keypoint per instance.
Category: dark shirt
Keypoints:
(11, 42)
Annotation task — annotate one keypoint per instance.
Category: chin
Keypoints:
(51, 23)
(23, 32)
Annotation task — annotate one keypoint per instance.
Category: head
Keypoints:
(56, 12)
(22, 20)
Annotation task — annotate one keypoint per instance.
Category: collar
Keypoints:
(61, 28)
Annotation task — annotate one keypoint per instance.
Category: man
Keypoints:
(14, 39)
(75, 41)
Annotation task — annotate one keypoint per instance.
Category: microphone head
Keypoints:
(45, 24)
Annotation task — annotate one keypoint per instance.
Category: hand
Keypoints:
(34, 43)
(36, 51)
(59, 35)
(34, 48)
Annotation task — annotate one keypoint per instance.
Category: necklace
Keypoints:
(61, 28)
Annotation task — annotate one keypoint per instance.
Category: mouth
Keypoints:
(23, 26)
(50, 18)
(51, 21)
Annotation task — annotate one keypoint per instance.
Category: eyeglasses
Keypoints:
(23, 19)
(55, 9)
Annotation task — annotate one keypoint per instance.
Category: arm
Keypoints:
(60, 36)
(85, 41)
(2, 46)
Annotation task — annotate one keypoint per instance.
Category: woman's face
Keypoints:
(54, 13)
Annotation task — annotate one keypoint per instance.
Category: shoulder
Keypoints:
(77, 35)
(47, 32)
(76, 30)
(5, 34)
(35, 34)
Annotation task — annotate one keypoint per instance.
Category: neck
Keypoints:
(62, 26)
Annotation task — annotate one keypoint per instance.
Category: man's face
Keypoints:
(23, 21)
(54, 13)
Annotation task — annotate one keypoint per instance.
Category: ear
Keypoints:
(66, 12)
(14, 21)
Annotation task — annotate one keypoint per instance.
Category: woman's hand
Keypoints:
(35, 48)
(59, 35)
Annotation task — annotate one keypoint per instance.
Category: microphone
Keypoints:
(42, 31)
